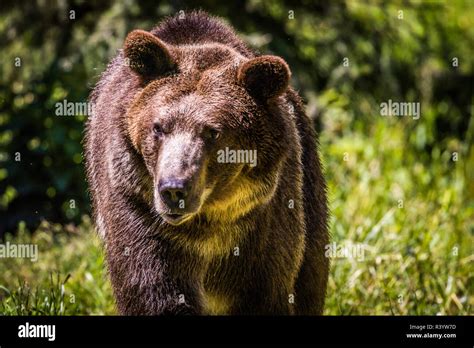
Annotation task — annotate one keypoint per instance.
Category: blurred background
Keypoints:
(402, 188)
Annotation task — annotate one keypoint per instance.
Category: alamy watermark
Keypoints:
(228, 155)
(394, 108)
(345, 251)
(37, 331)
(69, 108)
(22, 251)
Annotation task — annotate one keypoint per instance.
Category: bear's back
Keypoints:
(198, 27)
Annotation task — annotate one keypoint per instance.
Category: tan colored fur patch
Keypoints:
(216, 305)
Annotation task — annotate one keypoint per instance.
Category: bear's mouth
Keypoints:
(175, 219)
(175, 216)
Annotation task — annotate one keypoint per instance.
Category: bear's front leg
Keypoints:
(150, 275)
(157, 294)
(263, 290)
(263, 300)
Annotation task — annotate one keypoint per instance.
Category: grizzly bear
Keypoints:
(205, 178)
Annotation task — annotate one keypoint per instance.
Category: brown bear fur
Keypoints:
(251, 238)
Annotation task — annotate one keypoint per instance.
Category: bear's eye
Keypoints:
(157, 130)
(212, 134)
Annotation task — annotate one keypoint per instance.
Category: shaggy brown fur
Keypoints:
(184, 232)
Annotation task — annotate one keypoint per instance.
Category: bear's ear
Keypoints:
(264, 77)
(147, 55)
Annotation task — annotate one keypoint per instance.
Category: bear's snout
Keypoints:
(173, 192)
(179, 177)
(177, 199)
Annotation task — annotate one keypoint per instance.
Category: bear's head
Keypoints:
(210, 124)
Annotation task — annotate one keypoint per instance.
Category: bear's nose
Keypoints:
(173, 192)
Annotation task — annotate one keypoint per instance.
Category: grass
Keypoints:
(407, 210)
(68, 278)
(411, 217)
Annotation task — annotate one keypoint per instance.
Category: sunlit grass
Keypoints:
(68, 278)
(413, 220)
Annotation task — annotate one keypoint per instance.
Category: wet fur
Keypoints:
(157, 268)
